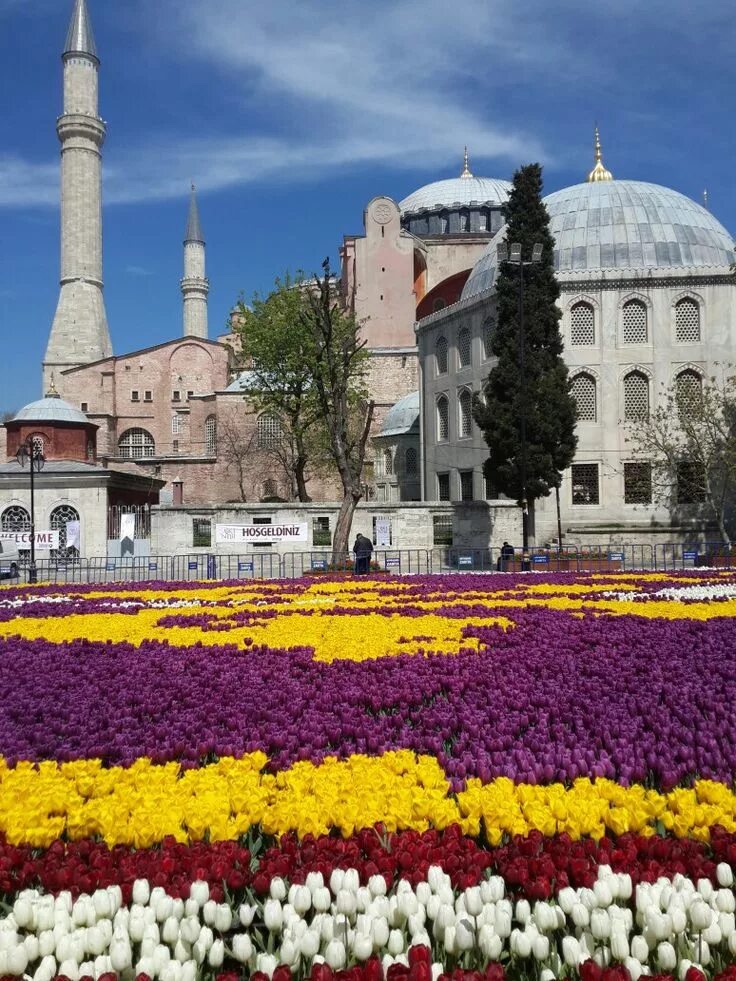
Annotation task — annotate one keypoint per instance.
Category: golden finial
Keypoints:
(466, 174)
(705, 198)
(52, 393)
(599, 172)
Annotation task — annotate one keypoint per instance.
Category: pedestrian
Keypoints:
(363, 549)
(506, 556)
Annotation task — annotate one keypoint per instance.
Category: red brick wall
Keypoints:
(60, 442)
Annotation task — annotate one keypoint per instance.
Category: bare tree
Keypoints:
(688, 445)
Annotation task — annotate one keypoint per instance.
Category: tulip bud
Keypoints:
(120, 953)
(170, 931)
(31, 945)
(725, 901)
(351, 880)
(701, 914)
(619, 943)
(242, 948)
(315, 880)
(69, 969)
(267, 964)
(224, 918)
(523, 911)
(362, 947)
(18, 960)
(199, 892)
(464, 935)
(380, 932)
(634, 967)
(490, 943)
(640, 949)
(321, 899)
(540, 948)
(503, 921)
(345, 902)
(377, 885)
(473, 901)
(580, 915)
(335, 955)
(336, 881)
(273, 915)
(600, 924)
(246, 914)
(309, 944)
(277, 889)
(449, 940)
(216, 954)
(182, 951)
(46, 943)
(95, 941)
(102, 904)
(724, 875)
(188, 971)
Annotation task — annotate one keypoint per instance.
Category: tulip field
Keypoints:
(460, 777)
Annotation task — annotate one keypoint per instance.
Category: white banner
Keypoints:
(383, 532)
(45, 540)
(73, 535)
(260, 534)
(127, 526)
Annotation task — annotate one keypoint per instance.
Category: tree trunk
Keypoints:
(299, 475)
(341, 538)
(559, 519)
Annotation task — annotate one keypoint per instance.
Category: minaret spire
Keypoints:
(79, 333)
(466, 174)
(195, 285)
(79, 38)
(599, 172)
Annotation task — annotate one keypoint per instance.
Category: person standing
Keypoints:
(363, 549)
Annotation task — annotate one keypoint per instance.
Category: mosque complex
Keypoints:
(648, 301)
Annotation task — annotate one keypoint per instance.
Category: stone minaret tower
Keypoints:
(194, 286)
(79, 333)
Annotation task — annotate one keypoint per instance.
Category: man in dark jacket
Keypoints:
(363, 549)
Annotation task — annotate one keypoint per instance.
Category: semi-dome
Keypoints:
(51, 409)
(457, 192)
(403, 417)
(622, 226)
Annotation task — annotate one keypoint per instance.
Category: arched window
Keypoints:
(270, 488)
(135, 444)
(687, 321)
(584, 393)
(443, 419)
(15, 518)
(465, 412)
(440, 353)
(270, 431)
(411, 461)
(689, 391)
(388, 463)
(487, 340)
(582, 324)
(438, 304)
(175, 424)
(210, 435)
(464, 352)
(38, 444)
(636, 396)
(635, 327)
(60, 518)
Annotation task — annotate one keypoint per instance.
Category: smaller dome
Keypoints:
(51, 409)
(402, 419)
(483, 273)
(457, 192)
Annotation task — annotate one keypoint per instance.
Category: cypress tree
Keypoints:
(549, 408)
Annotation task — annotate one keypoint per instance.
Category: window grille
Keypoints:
(464, 352)
(466, 485)
(201, 533)
(148, 396)
(690, 482)
(84, 406)
(135, 444)
(175, 424)
(636, 396)
(583, 391)
(135, 396)
(487, 340)
(585, 483)
(635, 329)
(175, 447)
(637, 483)
(270, 431)
(492, 492)
(321, 534)
(60, 517)
(270, 489)
(176, 395)
(689, 390)
(210, 435)
(38, 445)
(15, 518)
(465, 407)
(412, 462)
(443, 487)
(687, 321)
(582, 324)
(442, 529)
(388, 463)
(443, 419)
(440, 353)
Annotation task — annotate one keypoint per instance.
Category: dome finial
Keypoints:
(705, 198)
(599, 172)
(466, 174)
(52, 393)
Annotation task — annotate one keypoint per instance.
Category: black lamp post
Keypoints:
(512, 254)
(29, 452)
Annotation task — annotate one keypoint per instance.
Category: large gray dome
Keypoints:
(622, 226)
(456, 192)
(50, 409)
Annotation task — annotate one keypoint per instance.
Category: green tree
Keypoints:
(280, 357)
(539, 401)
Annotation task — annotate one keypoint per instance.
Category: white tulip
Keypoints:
(171, 971)
(435, 877)
(189, 929)
(182, 951)
(266, 963)
(423, 893)
(490, 943)
(619, 943)
(712, 935)
(473, 901)
(602, 893)
(625, 887)
(18, 961)
(223, 918)
(683, 968)
(725, 901)
(522, 945)
(547, 974)
(242, 948)
(362, 947)
(63, 948)
(327, 928)
(567, 898)
(352, 880)
(87, 969)
(634, 967)
(69, 968)
(523, 911)
(246, 914)
(302, 900)
(666, 956)
(408, 904)
(445, 917)
(208, 912)
(345, 902)
(199, 951)
(600, 924)
(395, 943)
(191, 907)
(337, 880)
(95, 941)
(31, 945)
(188, 971)
(199, 892)
(701, 914)
(273, 915)
(335, 955)
(380, 932)
(587, 898)
(377, 885)
(170, 931)
(121, 954)
(449, 940)
(216, 954)
(724, 875)
(705, 888)
(321, 899)
(503, 921)
(580, 915)
(309, 943)
(46, 943)
(493, 889)
(46, 969)
(102, 904)
(570, 951)
(103, 965)
(679, 920)
(277, 889)
(464, 934)
(144, 966)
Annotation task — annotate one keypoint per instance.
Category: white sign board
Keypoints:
(45, 540)
(383, 532)
(260, 534)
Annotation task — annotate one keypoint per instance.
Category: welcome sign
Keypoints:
(260, 534)
(45, 540)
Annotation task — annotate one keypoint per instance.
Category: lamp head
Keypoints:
(516, 251)
(502, 252)
(537, 252)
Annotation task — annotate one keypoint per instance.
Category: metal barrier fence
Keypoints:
(418, 561)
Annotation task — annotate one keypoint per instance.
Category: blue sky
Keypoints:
(291, 114)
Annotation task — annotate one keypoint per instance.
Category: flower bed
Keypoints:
(462, 776)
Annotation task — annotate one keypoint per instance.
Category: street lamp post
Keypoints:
(29, 452)
(513, 255)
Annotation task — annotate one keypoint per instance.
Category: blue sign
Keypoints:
(540, 559)
(319, 565)
(152, 566)
(110, 567)
(615, 556)
(393, 563)
(465, 560)
(193, 565)
(245, 567)
(691, 555)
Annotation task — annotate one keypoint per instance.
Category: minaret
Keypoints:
(79, 333)
(194, 286)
